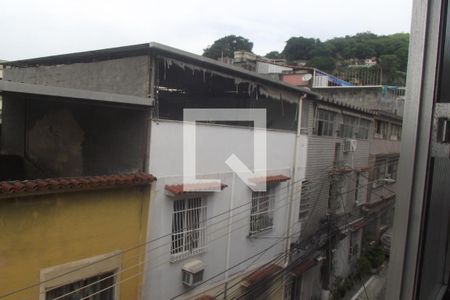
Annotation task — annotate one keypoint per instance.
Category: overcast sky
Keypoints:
(31, 28)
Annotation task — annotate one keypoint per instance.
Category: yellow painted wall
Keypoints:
(38, 232)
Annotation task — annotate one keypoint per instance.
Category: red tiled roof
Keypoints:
(380, 202)
(54, 185)
(261, 274)
(341, 170)
(358, 225)
(178, 189)
(270, 179)
(304, 266)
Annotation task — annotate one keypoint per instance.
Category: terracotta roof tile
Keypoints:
(355, 226)
(261, 274)
(379, 203)
(179, 189)
(73, 183)
(304, 266)
(270, 179)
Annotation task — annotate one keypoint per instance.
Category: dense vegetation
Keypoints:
(225, 47)
(390, 51)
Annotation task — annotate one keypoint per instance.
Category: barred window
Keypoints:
(324, 123)
(188, 227)
(363, 131)
(261, 216)
(99, 287)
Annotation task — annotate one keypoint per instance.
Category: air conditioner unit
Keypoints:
(349, 145)
(193, 272)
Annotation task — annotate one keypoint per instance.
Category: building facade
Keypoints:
(74, 199)
(61, 235)
(227, 239)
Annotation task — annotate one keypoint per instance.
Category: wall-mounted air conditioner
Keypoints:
(193, 272)
(349, 145)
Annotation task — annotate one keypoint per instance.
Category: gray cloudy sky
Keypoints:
(33, 28)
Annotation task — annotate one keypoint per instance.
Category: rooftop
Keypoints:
(201, 61)
(72, 184)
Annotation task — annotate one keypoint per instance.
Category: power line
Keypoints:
(153, 258)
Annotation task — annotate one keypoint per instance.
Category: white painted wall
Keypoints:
(269, 68)
(214, 145)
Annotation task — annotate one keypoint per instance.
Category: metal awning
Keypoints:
(13, 87)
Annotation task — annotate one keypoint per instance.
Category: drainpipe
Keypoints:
(291, 189)
(230, 217)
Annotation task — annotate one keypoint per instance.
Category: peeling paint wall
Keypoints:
(63, 138)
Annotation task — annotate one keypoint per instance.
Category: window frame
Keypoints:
(324, 122)
(71, 272)
(363, 131)
(348, 127)
(181, 216)
(256, 213)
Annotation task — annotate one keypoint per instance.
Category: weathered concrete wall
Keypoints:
(13, 126)
(365, 97)
(382, 146)
(40, 232)
(71, 139)
(129, 76)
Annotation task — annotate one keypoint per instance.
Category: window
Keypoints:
(324, 123)
(348, 127)
(261, 216)
(380, 170)
(392, 169)
(99, 287)
(381, 129)
(305, 200)
(188, 227)
(396, 132)
(363, 130)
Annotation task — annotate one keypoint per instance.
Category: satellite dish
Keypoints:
(307, 77)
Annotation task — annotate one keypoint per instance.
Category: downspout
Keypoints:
(230, 217)
(292, 183)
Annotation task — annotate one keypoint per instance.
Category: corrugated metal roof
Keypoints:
(13, 87)
(147, 48)
(143, 49)
(72, 184)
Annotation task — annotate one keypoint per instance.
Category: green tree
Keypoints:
(324, 63)
(300, 48)
(390, 65)
(226, 46)
(273, 55)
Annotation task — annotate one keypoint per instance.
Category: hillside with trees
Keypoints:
(335, 55)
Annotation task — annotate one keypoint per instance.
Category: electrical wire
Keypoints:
(152, 258)
(124, 251)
